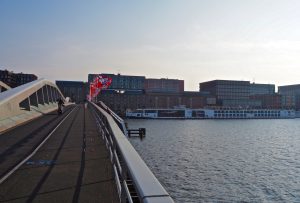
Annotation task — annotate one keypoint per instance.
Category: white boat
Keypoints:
(211, 113)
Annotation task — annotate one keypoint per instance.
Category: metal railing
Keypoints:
(135, 181)
(116, 117)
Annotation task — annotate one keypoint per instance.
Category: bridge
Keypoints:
(82, 155)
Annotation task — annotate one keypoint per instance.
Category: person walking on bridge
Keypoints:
(60, 104)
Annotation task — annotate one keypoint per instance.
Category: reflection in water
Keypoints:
(224, 160)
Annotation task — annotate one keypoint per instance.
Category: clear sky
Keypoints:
(200, 40)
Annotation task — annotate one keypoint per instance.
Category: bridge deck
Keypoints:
(72, 166)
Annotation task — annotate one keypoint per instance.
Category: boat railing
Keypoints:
(135, 181)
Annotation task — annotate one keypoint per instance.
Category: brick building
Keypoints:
(268, 101)
(164, 85)
(120, 102)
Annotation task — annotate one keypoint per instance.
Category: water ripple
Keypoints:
(224, 160)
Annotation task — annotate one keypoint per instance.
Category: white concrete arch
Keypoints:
(20, 104)
(4, 87)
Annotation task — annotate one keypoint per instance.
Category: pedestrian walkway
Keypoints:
(72, 166)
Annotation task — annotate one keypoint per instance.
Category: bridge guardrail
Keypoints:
(116, 117)
(135, 181)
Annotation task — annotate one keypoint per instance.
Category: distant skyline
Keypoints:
(195, 40)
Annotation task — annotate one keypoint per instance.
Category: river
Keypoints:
(223, 160)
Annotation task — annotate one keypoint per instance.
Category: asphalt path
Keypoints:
(17, 143)
(73, 165)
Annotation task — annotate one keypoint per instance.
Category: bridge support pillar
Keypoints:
(56, 94)
(34, 99)
(25, 104)
(51, 99)
(46, 94)
(53, 94)
(40, 95)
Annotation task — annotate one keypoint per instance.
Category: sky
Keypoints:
(192, 40)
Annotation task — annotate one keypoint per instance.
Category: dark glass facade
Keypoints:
(290, 96)
(16, 79)
(258, 89)
(228, 92)
(289, 90)
(76, 90)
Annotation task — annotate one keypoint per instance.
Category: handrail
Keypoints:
(116, 117)
(133, 168)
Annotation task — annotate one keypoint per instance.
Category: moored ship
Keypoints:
(211, 113)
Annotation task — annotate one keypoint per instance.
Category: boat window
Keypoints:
(150, 111)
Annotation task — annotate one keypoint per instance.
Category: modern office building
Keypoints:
(290, 96)
(229, 93)
(75, 90)
(232, 93)
(123, 82)
(289, 89)
(16, 79)
(258, 89)
(164, 85)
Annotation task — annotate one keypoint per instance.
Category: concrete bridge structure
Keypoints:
(82, 155)
(4, 87)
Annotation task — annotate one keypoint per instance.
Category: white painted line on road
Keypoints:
(35, 151)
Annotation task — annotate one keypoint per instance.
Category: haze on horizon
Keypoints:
(196, 40)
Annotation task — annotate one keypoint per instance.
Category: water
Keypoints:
(223, 160)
